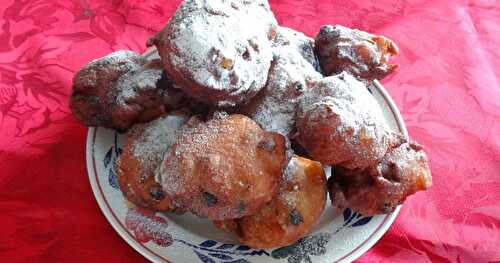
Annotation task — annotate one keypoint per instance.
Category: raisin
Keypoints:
(242, 207)
(268, 144)
(299, 87)
(388, 207)
(246, 55)
(210, 199)
(296, 217)
(156, 193)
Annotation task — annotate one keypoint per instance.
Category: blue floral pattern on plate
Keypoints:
(210, 251)
(110, 163)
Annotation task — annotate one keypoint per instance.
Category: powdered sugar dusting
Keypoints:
(291, 167)
(358, 132)
(129, 85)
(348, 95)
(223, 45)
(200, 135)
(274, 109)
(108, 68)
(155, 138)
(289, 196)
(116, 58)
(93, 99)
(224, 168)
(304, 45)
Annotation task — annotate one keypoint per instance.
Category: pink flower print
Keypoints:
(146, 226)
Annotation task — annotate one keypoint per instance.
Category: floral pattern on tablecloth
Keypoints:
(448, 90)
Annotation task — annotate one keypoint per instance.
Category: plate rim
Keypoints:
(151, 256)
(105, 207)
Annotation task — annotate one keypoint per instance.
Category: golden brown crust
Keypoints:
(121, 89)
(225, 168)
(379, 189)
(143, 151)
(143, 192)
(359, 53)
(291, 214)
(340, 123)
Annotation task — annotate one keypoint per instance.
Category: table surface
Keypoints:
(447, 89)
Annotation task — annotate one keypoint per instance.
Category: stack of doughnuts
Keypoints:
(238, 118)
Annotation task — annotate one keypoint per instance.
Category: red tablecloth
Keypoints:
(447, 89)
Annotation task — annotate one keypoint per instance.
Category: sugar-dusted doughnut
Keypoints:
(143, 151)
(224, 168)
(122, 89)
(274, 108)
(218, 51)
(291, 214)
(380, 188)
(340, 123)
(360, 53)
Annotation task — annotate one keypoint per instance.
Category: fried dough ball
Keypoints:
(274, 108)
(340, 123)
(218, 51)
(304, 45)
(225, 168)
(359, 53)
(291, 214)
(89, 99)
(122, 89)
(382, 187)
(143, 151)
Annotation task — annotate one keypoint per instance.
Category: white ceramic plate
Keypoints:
(340, 236)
